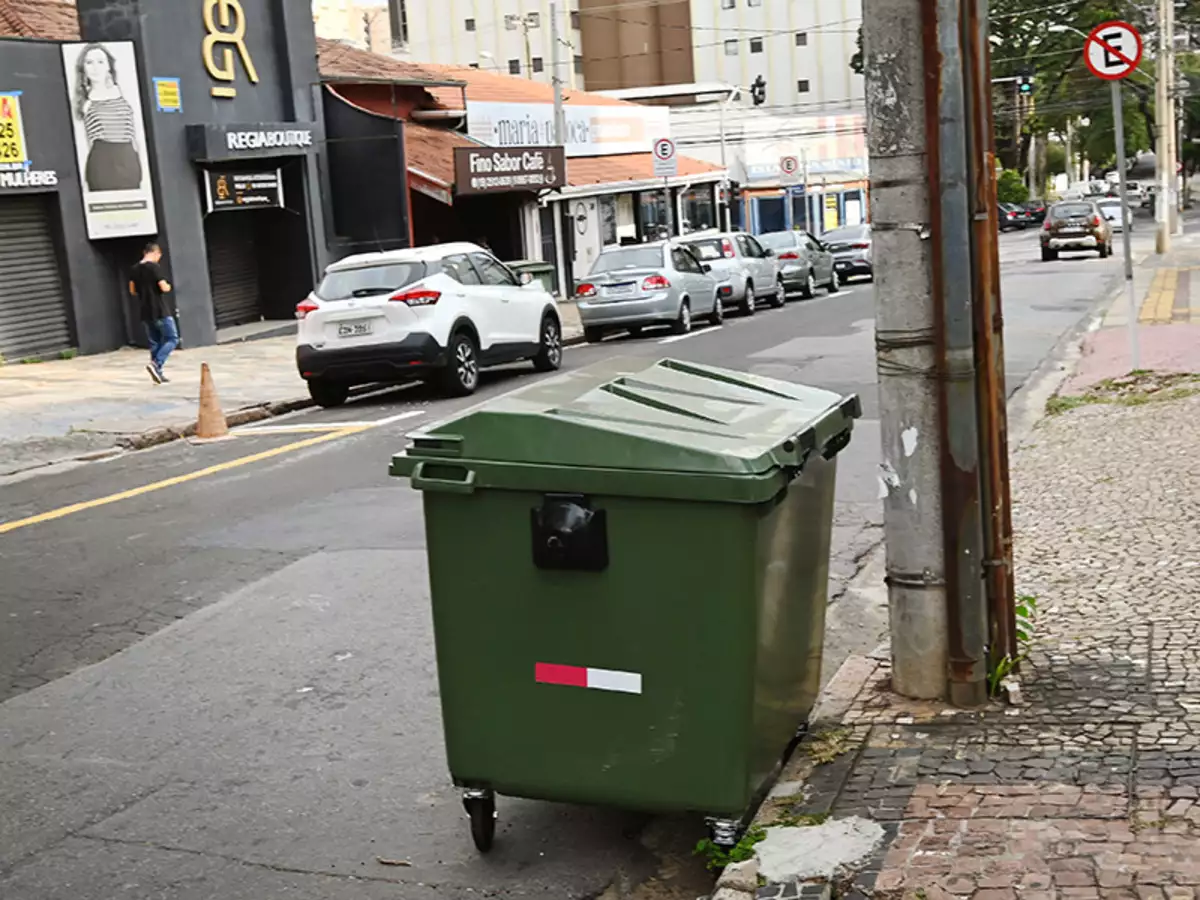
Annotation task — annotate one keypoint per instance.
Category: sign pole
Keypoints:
(1126, 221)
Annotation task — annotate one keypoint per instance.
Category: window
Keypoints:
(628, 258)
(754, 2)
(537, 64)
(473, 65)
(801, 38)
(369, 281)
(743, 245)
(460, 270)
(491, 272)
(398, 15)
(731, 48)
(514, 67)
(469, 24)
(684, 261)
(802, 86)
(533, 20)
(579, 65)
(756, 249)
(575, 19)
(727, 4)
(756, 45)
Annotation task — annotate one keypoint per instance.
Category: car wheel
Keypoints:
(780, 296)
(683, 322)
(592, 334)
(718, 311)
(810, 286)
(328, 393)
(549, 355)
(748, 301)
(1049, 255)
(461, 375)
(835, 283)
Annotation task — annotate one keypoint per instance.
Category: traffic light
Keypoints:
(1025, 82)
(758, 91)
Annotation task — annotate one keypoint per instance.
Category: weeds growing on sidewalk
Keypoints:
(1026, 613)
(718, 857)
(827, 746)
(1135, 389)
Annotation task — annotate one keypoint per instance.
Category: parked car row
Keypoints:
(703, 275)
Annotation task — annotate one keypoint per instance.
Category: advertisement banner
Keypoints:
(243, 190)
(110, 139)
(590, 130)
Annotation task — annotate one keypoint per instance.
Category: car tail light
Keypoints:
(725, 290)
(789, 255)
(585, 290)
(861, 246)
(1046, 225)
(1011, 215)
(727, 248)
(306, 306)
(417, 297)
(1096, 221)
(655, 283)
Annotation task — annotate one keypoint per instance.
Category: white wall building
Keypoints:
(511, 37)
(363, 23)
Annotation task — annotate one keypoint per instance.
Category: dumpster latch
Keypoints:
(569, 534)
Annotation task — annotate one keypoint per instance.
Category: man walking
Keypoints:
(146, 282)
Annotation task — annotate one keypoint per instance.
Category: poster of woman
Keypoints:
(110, 138)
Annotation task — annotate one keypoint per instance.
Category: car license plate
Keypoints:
(355, 329)
(619, 290)
(1073, 231)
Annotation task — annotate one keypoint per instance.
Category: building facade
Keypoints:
(362, 23)
(801, 49)
(510, 37)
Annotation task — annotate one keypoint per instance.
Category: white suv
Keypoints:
(443, 311)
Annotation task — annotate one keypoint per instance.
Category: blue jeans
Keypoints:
(163, 336)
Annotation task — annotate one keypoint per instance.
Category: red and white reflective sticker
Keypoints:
(596, 679)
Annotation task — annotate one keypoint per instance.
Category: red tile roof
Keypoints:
(48, 19)
(342, 62)
(431, 150)
(587, 170)
(483, 85)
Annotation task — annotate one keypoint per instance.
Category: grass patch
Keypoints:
(1138, 388)
(69, 353)
(31, 360)
(828, 745)
(718, 857)
(800, 820)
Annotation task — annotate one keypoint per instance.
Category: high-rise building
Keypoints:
(363, 23)
(802, 48)
(507, 36)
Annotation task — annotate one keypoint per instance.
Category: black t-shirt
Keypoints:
(145, 277)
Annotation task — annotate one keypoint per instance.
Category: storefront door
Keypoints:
(34, 318)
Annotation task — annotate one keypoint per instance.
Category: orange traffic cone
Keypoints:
(211, 424)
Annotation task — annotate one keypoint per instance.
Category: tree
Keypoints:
(856, 61)
(1010, 187)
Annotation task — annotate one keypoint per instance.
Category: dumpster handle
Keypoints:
(461, 485)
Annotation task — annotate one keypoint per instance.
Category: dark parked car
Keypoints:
(1075, 225)
(804, 262)
(1036, 210)
(851, 249)
(1013, 217)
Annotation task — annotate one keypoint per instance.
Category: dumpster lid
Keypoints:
(670, 416)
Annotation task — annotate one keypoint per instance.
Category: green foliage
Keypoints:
(718, 857)
(69, 353)
(1010, 187)
(827, 746)
(1026, 614)
(31, 360)
(856, 61)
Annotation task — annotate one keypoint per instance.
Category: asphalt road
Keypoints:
(271, 727)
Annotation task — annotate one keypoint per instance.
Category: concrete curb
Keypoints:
(166, 434)
(740, 881)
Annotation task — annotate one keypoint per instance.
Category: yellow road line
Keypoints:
(62, 511)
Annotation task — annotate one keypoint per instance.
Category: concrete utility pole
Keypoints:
(1162, 132)
(1173, 219)
(929, 167)
(560, 131)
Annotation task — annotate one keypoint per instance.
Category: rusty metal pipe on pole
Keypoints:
(954, 330)
(989, 343)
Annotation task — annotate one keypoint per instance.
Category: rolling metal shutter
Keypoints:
(232, 268)
(34, 318)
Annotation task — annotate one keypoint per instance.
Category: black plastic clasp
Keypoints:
(567, 534)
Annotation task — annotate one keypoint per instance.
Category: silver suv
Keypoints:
(749, 268)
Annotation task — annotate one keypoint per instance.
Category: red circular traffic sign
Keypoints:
(1113, 50)
(789, 165)
(664, 148)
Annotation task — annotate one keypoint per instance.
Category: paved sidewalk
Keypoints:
(67, 409)
(1089, 789)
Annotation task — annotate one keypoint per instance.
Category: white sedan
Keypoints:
(1111, 210)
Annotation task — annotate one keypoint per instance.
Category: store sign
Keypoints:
(485, 170)
(212, 141)
(225, 32)
(589, 130)
(27, 178)
(110, 139)
(168, 95)
(13, 152)
(225, 190)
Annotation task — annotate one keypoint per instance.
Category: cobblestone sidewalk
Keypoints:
(1091, 788)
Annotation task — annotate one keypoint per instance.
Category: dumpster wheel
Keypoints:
(481, 807)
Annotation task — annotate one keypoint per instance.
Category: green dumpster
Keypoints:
(628, 568)
(539, 271)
